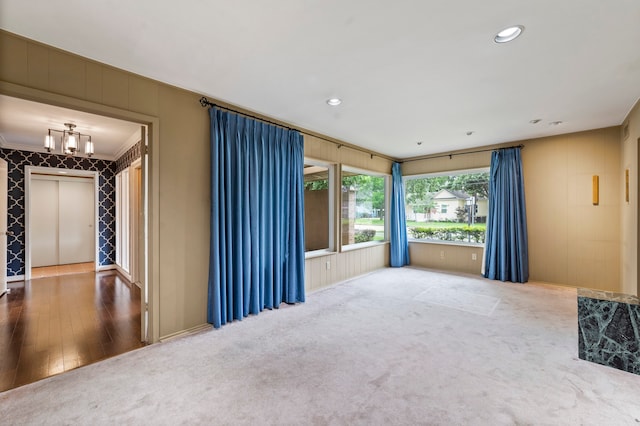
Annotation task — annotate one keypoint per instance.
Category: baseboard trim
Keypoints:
(187, 332)
(15, 278)
(123, 273)
(105, 268)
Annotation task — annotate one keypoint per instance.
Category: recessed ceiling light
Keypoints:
(509, 34)
(419, 143)
(334, 101)
(535, 121)
(469, 133)
(555, 123)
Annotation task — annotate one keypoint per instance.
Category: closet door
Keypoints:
(75, 221)
(44, 222)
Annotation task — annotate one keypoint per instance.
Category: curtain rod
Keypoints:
(461, 153)
(204, 102)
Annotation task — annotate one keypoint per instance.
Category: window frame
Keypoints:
(331, 186)
(387, 204)
(439, 174)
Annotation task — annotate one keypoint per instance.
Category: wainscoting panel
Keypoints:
(448, 257)
(323, 271)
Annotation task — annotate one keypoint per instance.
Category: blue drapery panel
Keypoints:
(399, 242)
(506, 247)
(257, 217)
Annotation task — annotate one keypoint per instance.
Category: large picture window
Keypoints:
(363, 207)
(450, 207)
(318, 202)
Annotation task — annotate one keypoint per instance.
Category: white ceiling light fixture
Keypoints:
(70, 140)
(509, 34)
(334, 101)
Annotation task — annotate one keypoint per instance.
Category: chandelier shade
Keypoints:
(70, 140)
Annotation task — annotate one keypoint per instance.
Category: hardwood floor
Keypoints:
(55, 324)
(52, 271)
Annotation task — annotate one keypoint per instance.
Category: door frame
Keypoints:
(29, 171)
(150, 300)
(136, 219)
(4, 180)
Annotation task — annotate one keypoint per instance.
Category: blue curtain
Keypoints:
(506, 247)
(398, 226)
(256, 258)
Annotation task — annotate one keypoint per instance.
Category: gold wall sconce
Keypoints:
(626, 185)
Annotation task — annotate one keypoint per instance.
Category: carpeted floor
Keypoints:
(398, 346)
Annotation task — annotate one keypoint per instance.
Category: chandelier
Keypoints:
(70, 141)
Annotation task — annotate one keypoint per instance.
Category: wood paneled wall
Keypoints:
(571, 241)
(180, 167)
(322, 271)
(630, 160)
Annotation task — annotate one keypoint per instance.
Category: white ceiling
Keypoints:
(407, 71)
(23, 125)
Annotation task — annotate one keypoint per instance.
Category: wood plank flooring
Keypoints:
(55, 324)
(55, 270)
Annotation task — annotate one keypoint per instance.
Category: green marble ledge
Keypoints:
(609, 329)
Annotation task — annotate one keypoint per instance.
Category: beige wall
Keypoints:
(630, 225)
(316, 219)
(179, 190)
(322, 271)
(179, 154)
(571, 242)
(448, 257)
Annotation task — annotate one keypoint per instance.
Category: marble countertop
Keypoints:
(609, 295)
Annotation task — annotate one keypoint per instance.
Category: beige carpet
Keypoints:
(375, 350)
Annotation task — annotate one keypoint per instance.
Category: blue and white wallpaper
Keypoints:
(16, 204)
(128, 158)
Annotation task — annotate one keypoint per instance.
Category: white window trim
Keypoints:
(438, 174)
(387, 205)
(332, 208)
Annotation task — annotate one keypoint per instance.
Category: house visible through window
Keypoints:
(451, 207)
(363, 207)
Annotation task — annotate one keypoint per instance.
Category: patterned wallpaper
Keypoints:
(15, 221)
(128, 158)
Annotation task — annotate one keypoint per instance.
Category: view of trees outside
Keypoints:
(456, 215)
(363, 203)
(470, 189)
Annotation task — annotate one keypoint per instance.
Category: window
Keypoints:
(451, 207)
(318, 202)
(363, 207)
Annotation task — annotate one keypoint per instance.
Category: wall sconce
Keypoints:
(70, 141)
(626, 185)
(596, 190)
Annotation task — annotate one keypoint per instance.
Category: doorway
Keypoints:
(61, 222)
(105, 123)
(65, 216)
